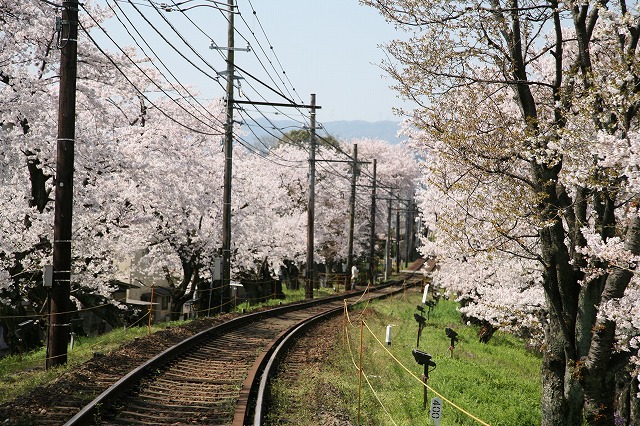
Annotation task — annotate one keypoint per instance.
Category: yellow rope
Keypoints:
(409, 371)
(353, 361)
(377, 398)
(421, 382)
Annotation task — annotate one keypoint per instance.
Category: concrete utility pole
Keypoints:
(228, 155)
(60, 307)
(352, 211)
(310, 208)
(372, 241)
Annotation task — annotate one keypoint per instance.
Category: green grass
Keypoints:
(291, 296)
(21, 373)
(498, 382)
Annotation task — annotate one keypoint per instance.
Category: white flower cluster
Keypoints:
(611, 253)
(504, 292)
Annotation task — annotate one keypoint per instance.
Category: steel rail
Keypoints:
(274, 360)
(88, 414)
(256, 384)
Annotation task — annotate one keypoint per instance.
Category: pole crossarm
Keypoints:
(345, 161)
(277, 104)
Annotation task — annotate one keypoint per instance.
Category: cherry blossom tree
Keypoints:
(28, 92)
(146, 170)
(397, 170)
(269, 208)
(270, 201)
(175, 175)
(528, 121)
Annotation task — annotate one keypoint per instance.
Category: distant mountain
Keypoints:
(344, 130)
(347, 130)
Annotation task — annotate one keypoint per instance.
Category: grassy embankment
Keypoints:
(23, 372)
(497, 382)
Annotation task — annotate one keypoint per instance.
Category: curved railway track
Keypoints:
(210, 378)
(294, 360)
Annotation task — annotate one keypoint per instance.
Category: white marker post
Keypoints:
(435, 412)
(425, 294)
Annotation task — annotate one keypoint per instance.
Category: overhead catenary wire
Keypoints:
(240, 140)
(267, 155)
(303, 120)
(243, 71)
(219, 51)
(263, 153)
(265, 53)
(140, 92)
(157, 58)
(270, 152)
(275, 90)
(274, 53)
(264, 128)
(153, 5)
(162, 15)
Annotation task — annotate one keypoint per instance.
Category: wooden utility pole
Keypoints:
(311, 205)
(397, 241)
(60, 315)
(387, 248)
(372, 241)
(352, 212)
(408, 226)
(228, 155)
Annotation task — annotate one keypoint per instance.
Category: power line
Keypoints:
(201, 30)
(144, 73)
(181, 38)
(274, 53)
(190, 96)
(153, 5)
(245, 72)
(265, 53)
(237, 67)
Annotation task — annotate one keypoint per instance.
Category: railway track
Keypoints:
(212, 377)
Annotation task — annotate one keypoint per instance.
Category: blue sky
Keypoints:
(328, 47)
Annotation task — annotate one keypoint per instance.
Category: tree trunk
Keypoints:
(176, 309)
(554, 405)
(561, 392)
(562, 395)
(599, 382)
(190, 280)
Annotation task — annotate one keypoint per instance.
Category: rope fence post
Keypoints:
(360, 370)
(150, 311)
(344, 323)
